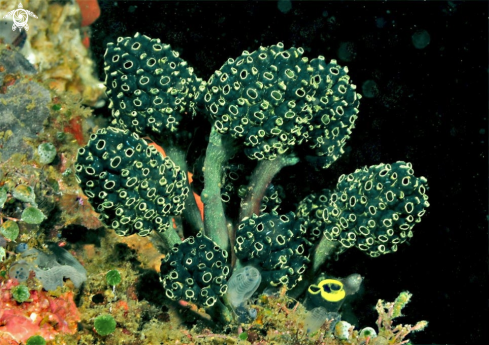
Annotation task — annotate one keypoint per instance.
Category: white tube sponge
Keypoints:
(242, 284)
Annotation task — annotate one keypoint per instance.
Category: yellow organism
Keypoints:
(330, 290)
(328, 293)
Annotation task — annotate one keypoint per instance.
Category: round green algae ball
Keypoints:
(21, 293)
(32, 215)
(36, 340)
(10, 230)
(24, 193)
(113, 277)
(47, 153)
(104, 324)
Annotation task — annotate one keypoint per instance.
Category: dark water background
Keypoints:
(431, 110)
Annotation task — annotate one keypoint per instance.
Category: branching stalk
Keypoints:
(260, 179)
(219, 150)
(169, 237)
(322, 252)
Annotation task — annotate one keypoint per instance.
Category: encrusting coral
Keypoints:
(276, 107)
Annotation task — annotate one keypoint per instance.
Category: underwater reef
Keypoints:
(168, 225)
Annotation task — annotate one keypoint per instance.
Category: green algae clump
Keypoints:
(24, 193)
(104, 324)
(36, 340)
(20, 293)
(113, 277)
(10, 230)
(32, 215)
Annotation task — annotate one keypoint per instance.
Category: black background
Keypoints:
(431, 111)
